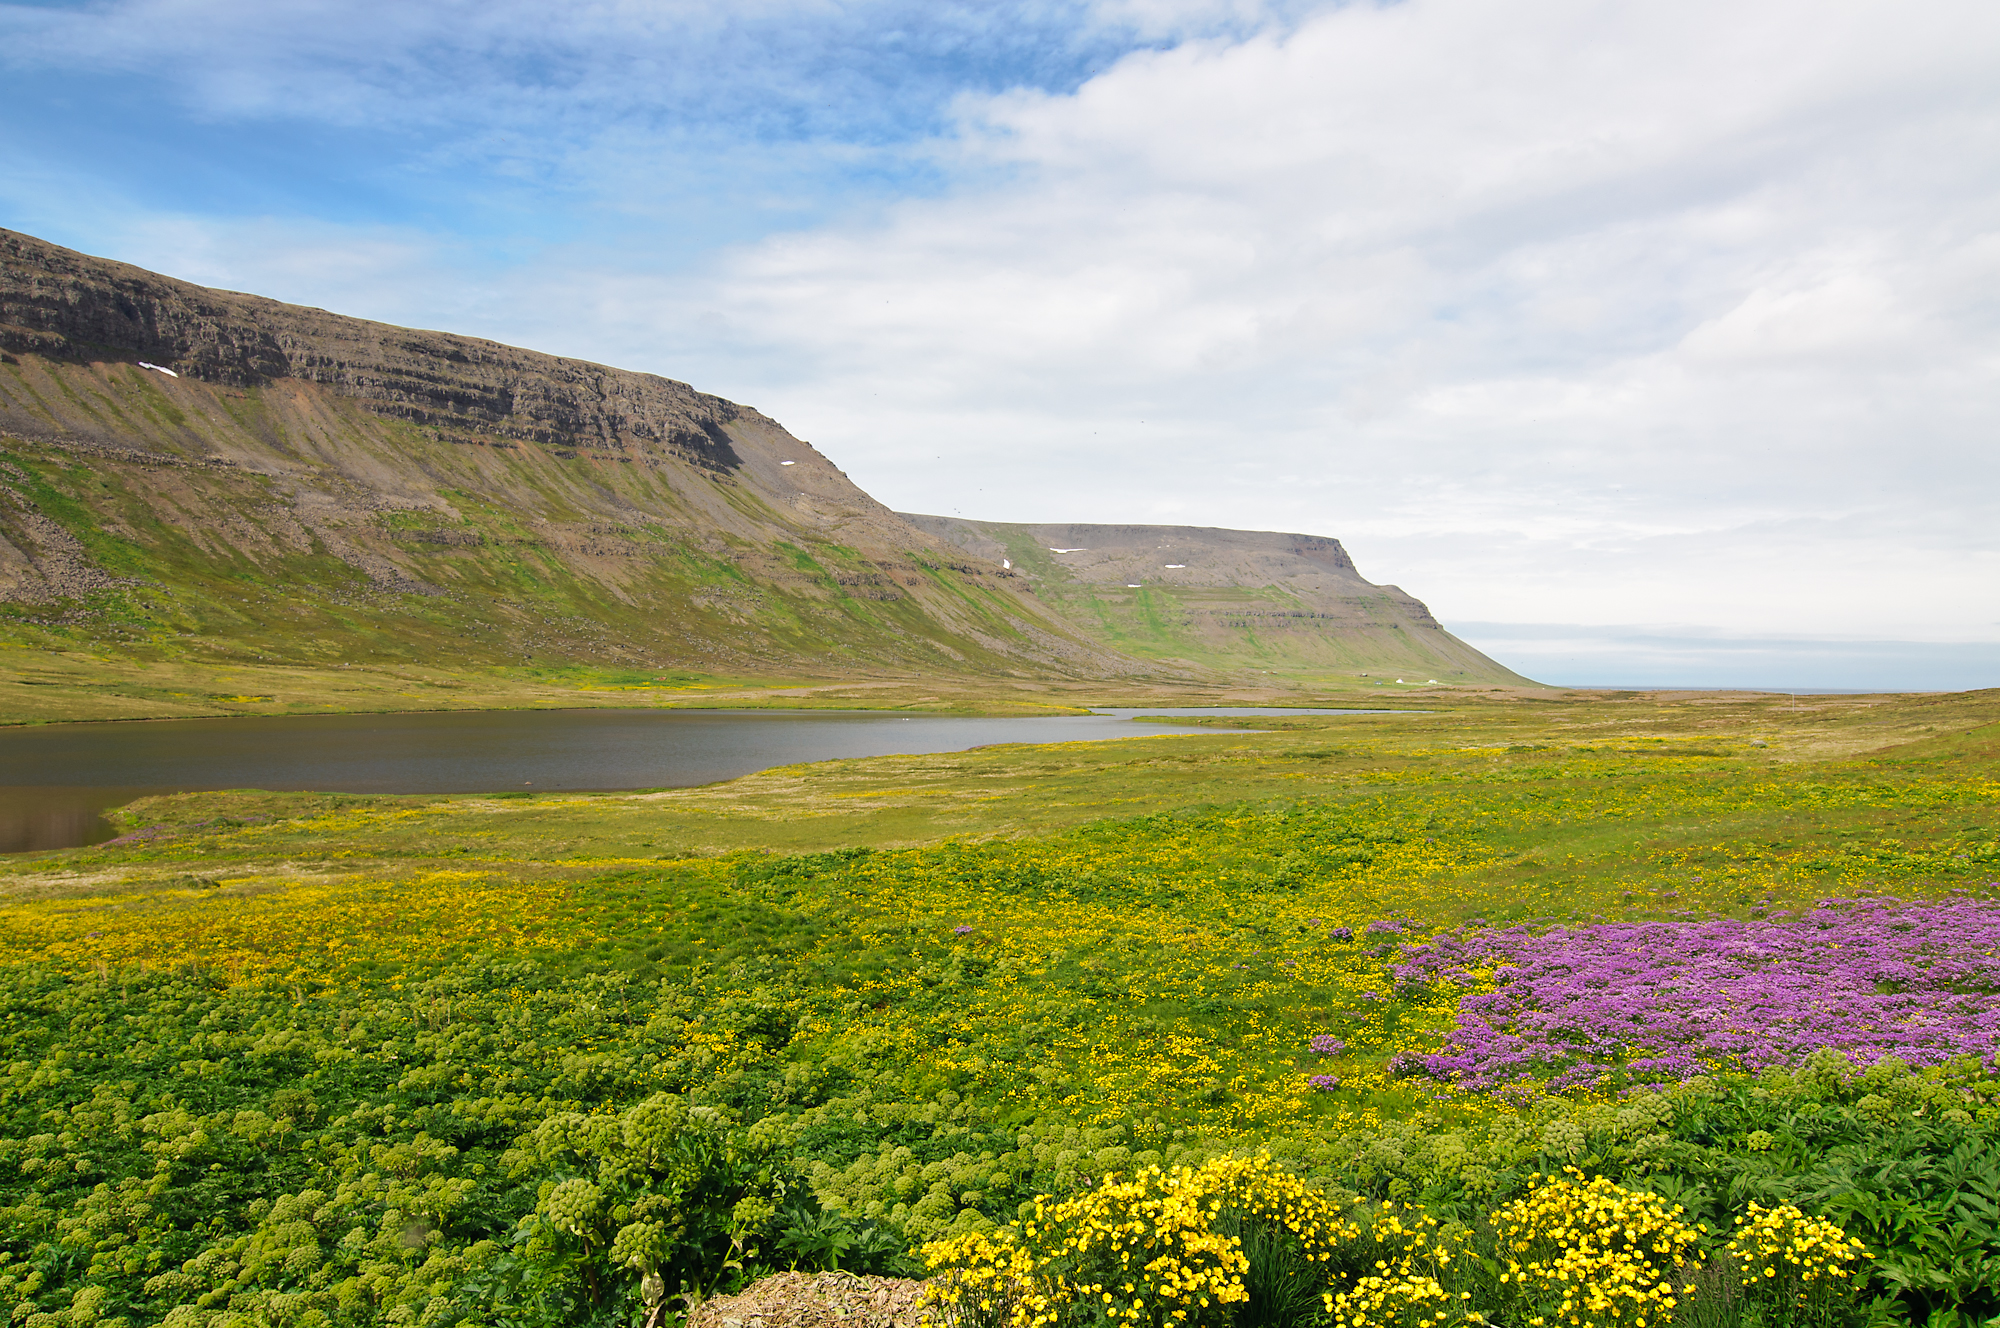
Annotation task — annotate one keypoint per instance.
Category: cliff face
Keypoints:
(1244, 600)
(308, 486)
(65, 305)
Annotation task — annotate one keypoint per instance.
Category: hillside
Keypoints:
(195, 474)
(1225, 600)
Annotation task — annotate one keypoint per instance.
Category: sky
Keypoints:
(1648, 343)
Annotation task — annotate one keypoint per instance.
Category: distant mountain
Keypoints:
(185, 469)
(1229, 600)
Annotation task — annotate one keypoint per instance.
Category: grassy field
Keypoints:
(54, 686)
(397, 1059)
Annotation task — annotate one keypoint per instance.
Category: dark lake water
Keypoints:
(60, 778)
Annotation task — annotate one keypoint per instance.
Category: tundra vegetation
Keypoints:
(1599, 1009)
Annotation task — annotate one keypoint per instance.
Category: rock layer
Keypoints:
(65, 305)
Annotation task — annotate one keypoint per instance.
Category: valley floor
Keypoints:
(423, 1059)
(52, 687)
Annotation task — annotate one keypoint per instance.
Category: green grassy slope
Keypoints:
(284, 525)
(188, 473)
(1227, 601)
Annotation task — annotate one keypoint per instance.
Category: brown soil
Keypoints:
(817, 1300)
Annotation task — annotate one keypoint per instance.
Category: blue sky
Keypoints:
(1634, 338)
(509, 126)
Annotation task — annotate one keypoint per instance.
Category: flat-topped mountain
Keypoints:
(1195, 596)
(187, 468)
(198, 474)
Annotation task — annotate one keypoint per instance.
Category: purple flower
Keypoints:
(1382, 927)
(960, 930)
(1323, 1083)
(1326, 1044)
(1340, 934)
(1668, 1000)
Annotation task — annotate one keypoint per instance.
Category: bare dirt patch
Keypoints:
(817, 1300)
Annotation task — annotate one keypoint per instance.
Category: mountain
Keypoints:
(1227, 601)
(187, 473)
(210, 478)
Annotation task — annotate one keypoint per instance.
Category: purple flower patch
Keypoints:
(1323, 1083)
(143, 835)
(960, 930)
(1326, 1044)
(1666, 1000)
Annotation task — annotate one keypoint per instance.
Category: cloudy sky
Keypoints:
(1648, 342)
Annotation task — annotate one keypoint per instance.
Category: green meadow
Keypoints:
(588, 1058)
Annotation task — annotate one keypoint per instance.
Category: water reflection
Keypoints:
(60, 817)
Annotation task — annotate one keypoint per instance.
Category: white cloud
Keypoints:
(1675, 303)
(1852, 314)
(1559, 311)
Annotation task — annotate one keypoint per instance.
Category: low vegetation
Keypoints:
(1598, 1011)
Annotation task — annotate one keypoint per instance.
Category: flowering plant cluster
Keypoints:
(1406, 1258)
(1154, 1249)
(1791, 1262)
(1378, 1300)
(1161, 1249)
(1665, 1000)
(1591, 1252)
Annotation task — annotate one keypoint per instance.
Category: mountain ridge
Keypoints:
(359, 461)
(62, 304)
(1212, 597)
(189, 474)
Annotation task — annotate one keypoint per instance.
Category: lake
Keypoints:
(62, 777)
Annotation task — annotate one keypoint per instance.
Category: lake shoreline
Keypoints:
(88, 769)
